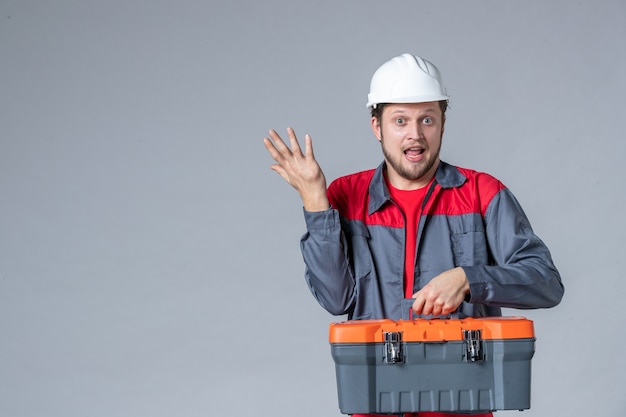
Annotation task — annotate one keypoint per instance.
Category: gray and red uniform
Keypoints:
(354, 252)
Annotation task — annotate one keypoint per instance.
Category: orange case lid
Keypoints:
(431, 330)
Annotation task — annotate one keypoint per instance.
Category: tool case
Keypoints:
(469, 365)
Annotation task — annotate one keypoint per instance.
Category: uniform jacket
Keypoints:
(354, 252)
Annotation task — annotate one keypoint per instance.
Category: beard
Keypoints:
(410, 171)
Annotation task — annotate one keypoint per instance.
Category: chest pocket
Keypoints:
(469, 248)
(450, 241)
(468, 239)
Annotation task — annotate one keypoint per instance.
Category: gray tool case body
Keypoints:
(472, 365)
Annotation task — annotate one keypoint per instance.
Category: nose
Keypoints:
(415, 130)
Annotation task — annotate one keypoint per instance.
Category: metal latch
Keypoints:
(393, 347)
(473, 346)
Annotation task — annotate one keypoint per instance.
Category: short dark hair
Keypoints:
(377, 111)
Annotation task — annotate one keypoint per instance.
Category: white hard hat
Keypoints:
(406, 79)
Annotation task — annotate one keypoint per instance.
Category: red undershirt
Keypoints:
(410, 202)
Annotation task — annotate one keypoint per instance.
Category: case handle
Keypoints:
(407, 312)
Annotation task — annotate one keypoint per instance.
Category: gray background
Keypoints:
(149, 259)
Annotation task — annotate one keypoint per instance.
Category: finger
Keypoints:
(279, 144)
(281, 171)
(438, 309)
(308, 146)
(427, 309)
(418, 305)
(429, 303)
(295, 146)
(269, 145)
(446, 310)
(274, 153)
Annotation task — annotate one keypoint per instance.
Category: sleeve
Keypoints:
(328, 273)
(522, 274)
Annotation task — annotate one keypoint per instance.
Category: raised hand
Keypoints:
(300, 170)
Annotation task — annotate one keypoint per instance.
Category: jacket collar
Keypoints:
(447, 176)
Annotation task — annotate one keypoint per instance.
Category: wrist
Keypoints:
(316, 206)
(465, 288)
(318, 202)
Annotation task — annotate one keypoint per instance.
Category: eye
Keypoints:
(400, 121)
(428, 120)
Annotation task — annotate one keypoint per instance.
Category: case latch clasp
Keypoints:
(393, 347)
(473, 346)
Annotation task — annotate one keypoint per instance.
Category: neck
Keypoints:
(402, 183)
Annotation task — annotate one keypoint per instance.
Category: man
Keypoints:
(449, 239)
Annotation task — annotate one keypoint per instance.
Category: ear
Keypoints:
(376, 127)
(443, 125)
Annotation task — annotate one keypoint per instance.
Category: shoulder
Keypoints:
(483, 181)
(348, 190)
(480, 187)
(352, 182)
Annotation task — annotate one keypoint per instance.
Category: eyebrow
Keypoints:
(402, 111)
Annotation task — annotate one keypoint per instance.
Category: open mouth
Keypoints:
(414, 154)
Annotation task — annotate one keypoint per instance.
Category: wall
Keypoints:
(149, 259)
